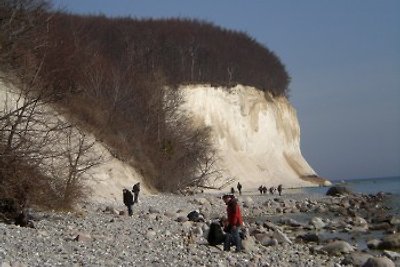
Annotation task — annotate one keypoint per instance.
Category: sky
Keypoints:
(344, 60)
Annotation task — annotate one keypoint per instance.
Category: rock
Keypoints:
(83, 237)
(248, 202)
(336, 191)
(390, 242)
(182, 219)
(317, 223)
(281, 237)
(373, 243)
(320, 210)
(380, 226)
(197, 231)
(378, 262)
(360, 222)
(270, 242)
(12, 264)
(271, 226)
(391, 254)
(171, 215)
(112, 210)
(200, 201)
(395, 220)
(262, 237)
(309, 237)
(337, 247)
(151, 234)
(292, 222)
(249, 244)
(153, 210)
(356, 258)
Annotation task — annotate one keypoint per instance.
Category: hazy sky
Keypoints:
(344, 60)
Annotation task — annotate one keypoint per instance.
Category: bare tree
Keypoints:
(38, 138)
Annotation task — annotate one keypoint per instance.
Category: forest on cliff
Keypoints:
(118, 79)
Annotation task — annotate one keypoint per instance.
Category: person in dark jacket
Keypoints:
(239, 188)
(136, 190)
(233, 224)
(261, 189)
(128, 200)
(265, 190)
(280, 189)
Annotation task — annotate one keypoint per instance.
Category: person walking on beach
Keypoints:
(128, 200)
(233, 224)
(280, 189)
(232, 190)
(264, 190)
(261, 189)
(239, 188)
(272, 190)
(136, 190)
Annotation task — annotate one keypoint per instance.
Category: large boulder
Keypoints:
(390, 242)
(337, 247)
(356, 258)
(337, 191)
(379, 262)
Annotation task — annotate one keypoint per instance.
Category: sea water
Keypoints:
(389, 185)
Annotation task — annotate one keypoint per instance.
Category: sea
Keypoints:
(389, 185)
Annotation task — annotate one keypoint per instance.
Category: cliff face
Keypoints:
(257, 136)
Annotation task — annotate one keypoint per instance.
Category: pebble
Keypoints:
(156, 235)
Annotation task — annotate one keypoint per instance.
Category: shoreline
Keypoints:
(159, 233)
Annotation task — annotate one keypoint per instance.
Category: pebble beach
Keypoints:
(159, 234)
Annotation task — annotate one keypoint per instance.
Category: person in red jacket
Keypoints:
(233, 223)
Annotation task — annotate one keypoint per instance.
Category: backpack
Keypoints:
(216, 235)
(195, 216)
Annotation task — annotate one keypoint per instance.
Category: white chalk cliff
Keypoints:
(257, 136)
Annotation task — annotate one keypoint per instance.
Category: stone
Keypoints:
(182, 219)
(281, 237)
(248, 202)
(153, 210)
(391, 254)
(378, 262)
(151, 234)
(359, 221)
(373, 243)
(390, 242)
(356, 258)
(171, 215)
(200, 201)
(262, 237)
(249, 244)
(317, 223)
(337, 191)
(337, 247)
(309, 237)
(83, 237)
(197, 231)
(292, 222)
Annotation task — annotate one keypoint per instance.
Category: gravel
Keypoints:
(98, 235)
